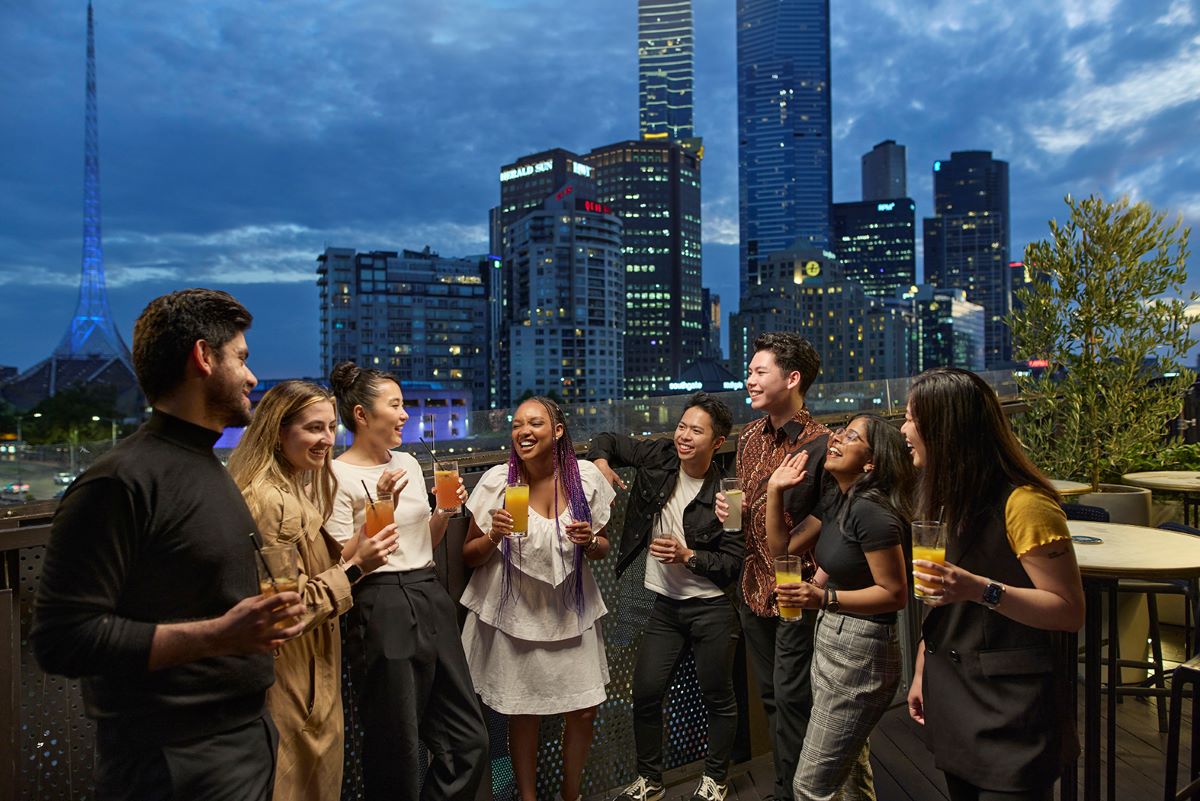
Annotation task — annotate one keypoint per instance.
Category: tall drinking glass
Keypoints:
(445, 486)
(278, 571)
(733, 497)
(380, 512)
(929, 543)
(516, 501)
(787, 571)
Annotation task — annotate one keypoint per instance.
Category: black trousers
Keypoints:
(781, 654)
(404, 642)
(234, 765)
(961, 790)
(709, 626)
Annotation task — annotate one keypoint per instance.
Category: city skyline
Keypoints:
(238, 145)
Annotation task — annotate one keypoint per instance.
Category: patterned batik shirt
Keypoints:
(761, 449)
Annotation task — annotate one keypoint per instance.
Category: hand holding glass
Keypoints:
(733, 496)
(445, 486)
(380, 513)
(278, 571)
(516, 502)
(787, 571)
(929, 543)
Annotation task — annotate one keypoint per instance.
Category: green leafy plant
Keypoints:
(1108, 313)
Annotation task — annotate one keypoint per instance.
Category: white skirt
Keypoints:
(520, 677)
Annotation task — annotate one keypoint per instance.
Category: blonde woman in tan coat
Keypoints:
(282, 468)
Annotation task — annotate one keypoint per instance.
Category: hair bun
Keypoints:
(343, 376)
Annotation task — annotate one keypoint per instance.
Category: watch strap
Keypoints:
(354, 573)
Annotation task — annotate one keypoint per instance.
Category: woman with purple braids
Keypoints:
(532, 637)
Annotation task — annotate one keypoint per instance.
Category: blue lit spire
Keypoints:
(92, 332)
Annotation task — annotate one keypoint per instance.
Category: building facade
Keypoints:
(784, 129)
(949, 330)
(875, 242)
(414, 314)
(566, 285)
(654, 187)
(885, 172)
(666, 45)
(967, 241)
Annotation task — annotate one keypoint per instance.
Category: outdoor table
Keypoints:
(1185, 483)
(1066, 488)
(1130, 552)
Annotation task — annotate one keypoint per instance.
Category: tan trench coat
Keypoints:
(306, 699)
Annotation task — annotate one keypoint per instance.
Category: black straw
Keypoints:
(431, 453)
(370, 500)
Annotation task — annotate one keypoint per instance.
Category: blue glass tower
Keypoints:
(665, 49)
(785, 174)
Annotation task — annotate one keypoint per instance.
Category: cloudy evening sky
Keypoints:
(238, 138)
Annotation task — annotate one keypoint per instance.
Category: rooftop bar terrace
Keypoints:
(46, 742)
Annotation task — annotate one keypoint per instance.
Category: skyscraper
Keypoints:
(665, 48)
(875, 241)
(884, 172)
(654, 187)
(784, 130)
(967, 242)
(949, 329)
(91, 351)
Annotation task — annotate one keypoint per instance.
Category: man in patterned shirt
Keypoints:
(783, 368)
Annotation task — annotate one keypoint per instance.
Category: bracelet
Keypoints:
(591, 546)
(494, 542)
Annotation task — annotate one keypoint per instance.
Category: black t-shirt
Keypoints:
(846, 538)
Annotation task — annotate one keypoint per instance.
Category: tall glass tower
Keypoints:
(785, 176)
(665, 50)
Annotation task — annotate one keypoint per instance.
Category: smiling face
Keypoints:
(384, 423)
(770, 388)
(305, 441)
(912, 437)
(695, 442)
(850, 450)
(533, 431)
(227, 389)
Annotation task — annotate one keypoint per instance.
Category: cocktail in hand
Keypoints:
(380, 512)
(278, 571)
(445, 486)
(733, 497)
(788, 571)
(516, 502)
(929, 543)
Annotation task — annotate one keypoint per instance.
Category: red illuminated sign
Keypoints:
(593, 207)
(1038, 363)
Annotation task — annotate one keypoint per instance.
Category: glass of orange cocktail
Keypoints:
(929, 543)
(381, 512)
(445, 486)
(788, 571)
(516, 502)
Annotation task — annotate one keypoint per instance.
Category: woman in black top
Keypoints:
(860, 528)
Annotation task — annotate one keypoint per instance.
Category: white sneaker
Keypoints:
(709, 790)
(643, 790)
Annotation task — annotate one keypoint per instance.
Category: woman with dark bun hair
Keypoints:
(402, 632)
(990, 679)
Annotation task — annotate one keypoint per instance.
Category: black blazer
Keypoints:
(718, 552)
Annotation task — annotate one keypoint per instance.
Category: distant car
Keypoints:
(64, 478)
(15, 488)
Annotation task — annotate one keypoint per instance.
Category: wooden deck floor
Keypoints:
(904, 768)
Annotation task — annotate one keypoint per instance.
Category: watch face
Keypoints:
(992, 593)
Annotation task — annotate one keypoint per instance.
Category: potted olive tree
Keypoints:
(1107, 313)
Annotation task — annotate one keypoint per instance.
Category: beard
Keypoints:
(226, 402)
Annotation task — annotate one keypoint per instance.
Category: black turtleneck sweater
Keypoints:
(155, 532)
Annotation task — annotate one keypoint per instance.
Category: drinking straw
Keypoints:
(431, 453)
(263, 559)
(370, 500)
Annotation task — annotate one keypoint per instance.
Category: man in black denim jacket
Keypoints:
(691, 561)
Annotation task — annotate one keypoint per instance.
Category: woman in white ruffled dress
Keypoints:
(533, 637)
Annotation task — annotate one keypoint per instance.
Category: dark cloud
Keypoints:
(239, 137)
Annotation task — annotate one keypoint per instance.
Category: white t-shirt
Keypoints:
(675, 580)
(415, 547)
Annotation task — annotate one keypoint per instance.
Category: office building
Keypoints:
(710, 325)
(654, 187)
(967, 241)
(784, 130)
(874, 241)
(414, 314)
(859, 337)
(566, 288)
(665, 71)
(885, 172)
(950, 330)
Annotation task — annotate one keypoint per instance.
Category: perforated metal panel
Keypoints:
(57, 741)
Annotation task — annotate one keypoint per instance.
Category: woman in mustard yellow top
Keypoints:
(990, 680)
(282, 468)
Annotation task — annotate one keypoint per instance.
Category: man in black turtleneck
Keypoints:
(148, 589)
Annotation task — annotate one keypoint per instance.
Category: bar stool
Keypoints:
(1187, 673)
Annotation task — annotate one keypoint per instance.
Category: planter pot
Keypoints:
(1124, 504)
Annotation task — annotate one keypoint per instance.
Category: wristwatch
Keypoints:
(691, 561)
(832, 605)
(353, 572)
(992, 594)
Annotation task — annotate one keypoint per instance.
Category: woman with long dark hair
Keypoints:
(989, 685)
(282, 466)
(860, 532)
(402, 634)
(532, 636)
